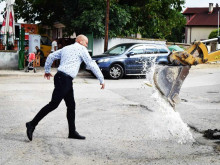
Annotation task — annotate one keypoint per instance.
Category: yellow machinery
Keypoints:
(45, 45)
(168, 79)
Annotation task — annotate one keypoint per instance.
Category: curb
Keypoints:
(39, 73)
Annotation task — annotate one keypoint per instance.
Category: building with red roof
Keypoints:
(200, 22)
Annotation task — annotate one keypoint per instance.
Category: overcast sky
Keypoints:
(200, 3)
(189, 3)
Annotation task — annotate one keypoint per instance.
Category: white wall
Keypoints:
(8, 60)
(198, 33)
(98, 44)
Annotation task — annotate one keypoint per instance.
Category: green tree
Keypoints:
(177, 32)
(155, 18)
(151, 18)
(91, 18)
(80, 16)
(44, 11)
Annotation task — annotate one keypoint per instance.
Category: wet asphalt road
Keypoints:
(122, 124)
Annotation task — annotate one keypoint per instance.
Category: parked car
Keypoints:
(130, 59)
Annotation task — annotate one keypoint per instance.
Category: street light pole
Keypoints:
(106, 25)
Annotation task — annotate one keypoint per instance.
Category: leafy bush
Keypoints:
(214, 34)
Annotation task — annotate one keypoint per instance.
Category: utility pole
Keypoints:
(218, 18)
(106, 25)
(218, 44)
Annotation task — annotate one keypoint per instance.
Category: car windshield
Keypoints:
(118, 49)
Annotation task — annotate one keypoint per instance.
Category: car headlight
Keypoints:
(103, 60)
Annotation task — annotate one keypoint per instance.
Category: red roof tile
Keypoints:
(195, 10)
(202, 17)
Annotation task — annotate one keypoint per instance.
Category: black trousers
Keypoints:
(63, 90)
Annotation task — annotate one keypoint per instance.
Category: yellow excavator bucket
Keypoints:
(169, 79)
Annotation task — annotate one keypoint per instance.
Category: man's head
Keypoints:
(82, 39)
(36, 47)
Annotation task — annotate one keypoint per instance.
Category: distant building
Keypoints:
(57, 31)
(200, 22)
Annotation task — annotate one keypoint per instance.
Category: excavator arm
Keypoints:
(169, 79)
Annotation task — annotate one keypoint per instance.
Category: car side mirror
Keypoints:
(130, 54)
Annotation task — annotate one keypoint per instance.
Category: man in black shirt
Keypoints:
(41, 54)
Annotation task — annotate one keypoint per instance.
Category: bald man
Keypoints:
(71, 58)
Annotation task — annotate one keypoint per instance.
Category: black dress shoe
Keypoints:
(30, 130)
(76, 135)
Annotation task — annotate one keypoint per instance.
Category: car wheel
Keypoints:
(116, 71)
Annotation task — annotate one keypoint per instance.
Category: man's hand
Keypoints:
(47, 76)
(103, 86)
